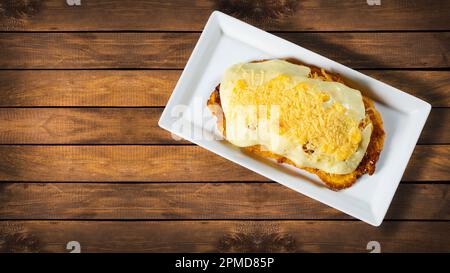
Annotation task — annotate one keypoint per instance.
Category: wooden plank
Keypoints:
(304, 15)
(90, 87)
(143, 50)
(163, 163)
(153, 87)
(187, 201)
(431, 86)
(222, 236)
(83, 125)
(128, 126)
(95, 50)
(437, 127)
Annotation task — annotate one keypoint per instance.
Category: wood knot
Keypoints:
(258, 11)
(18, 242)
(257, 241)
(19, 9)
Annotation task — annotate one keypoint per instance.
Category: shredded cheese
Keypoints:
(306, 115)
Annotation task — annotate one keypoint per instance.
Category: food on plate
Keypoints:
(300, 115)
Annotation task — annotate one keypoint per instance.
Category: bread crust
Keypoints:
(332, 181)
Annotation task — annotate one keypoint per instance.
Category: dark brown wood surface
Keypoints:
(143, 88)
(128, 125)
(171, 50)
(82, 157)
(238, 200)
(177, 15)
(223, 236)
(154, 163)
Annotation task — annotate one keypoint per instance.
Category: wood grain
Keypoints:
(85, 125)
(153, 87)
(125, 57)
(95, 50)
(222, 236)
(143, 50)
(198, 201)
(307, 15)
(128, 126)
(437, 127)
(431, 86)
(164, 163)
(92, 87)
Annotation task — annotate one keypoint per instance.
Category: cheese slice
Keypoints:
(314, 123)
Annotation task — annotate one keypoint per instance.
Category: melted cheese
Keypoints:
(312, 122)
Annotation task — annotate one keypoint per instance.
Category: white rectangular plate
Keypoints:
(226, 41)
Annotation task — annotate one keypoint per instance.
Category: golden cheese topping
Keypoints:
(312, 122)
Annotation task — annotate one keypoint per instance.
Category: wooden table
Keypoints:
(83, 159)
